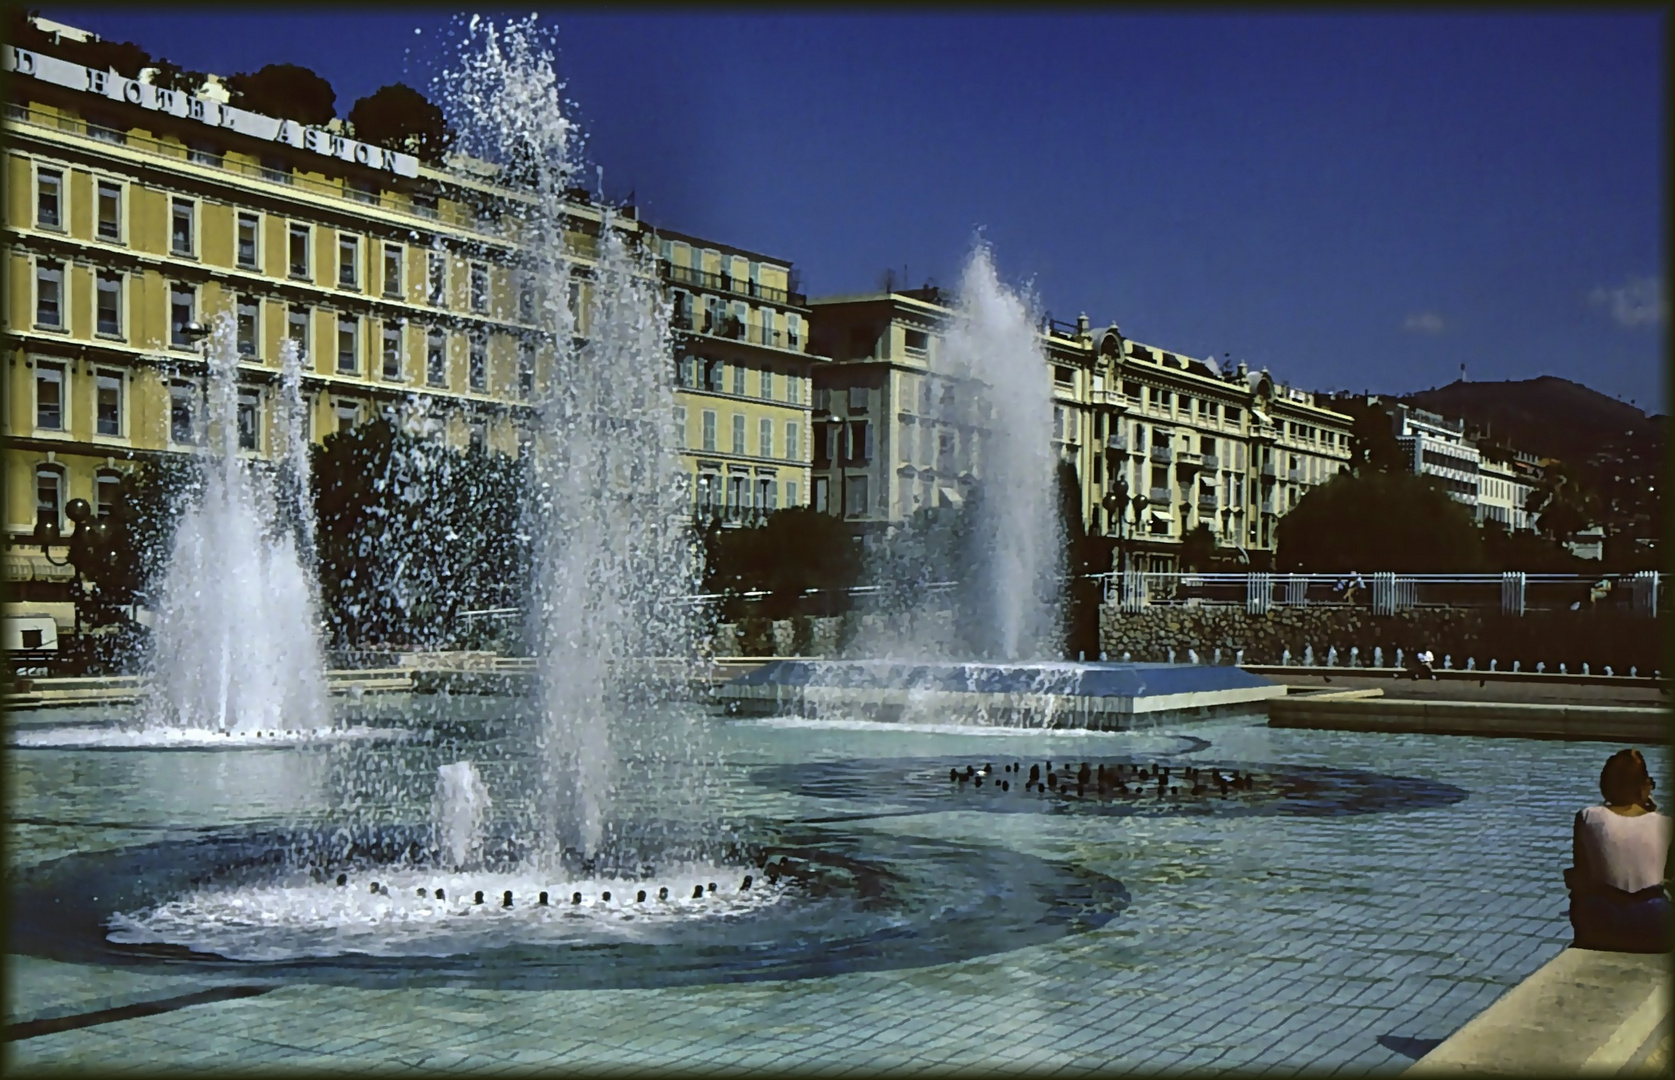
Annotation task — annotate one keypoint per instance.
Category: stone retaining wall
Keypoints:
(1551, 637)
(1573, 638)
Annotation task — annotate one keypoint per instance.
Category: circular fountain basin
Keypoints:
(106, 737)
(821, 902)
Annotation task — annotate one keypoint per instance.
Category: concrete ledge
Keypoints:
(1601, 723)
(1583, 1011)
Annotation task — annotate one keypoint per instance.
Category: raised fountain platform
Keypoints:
(1101, 696)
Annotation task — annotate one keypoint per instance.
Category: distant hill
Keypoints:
(1546, 416)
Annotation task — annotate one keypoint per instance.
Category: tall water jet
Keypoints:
(613, 546)
(989, 385)
(236, 647)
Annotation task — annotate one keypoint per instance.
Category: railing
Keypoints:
(689, 275)
(1116, 443)
(1207, 504)
(1209, 462)
(1267, 470)
(1388, 593)
(1162, 453)
(1189, 459)
(1161, 496)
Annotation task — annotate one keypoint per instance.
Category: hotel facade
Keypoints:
(1190, 444)
(133, 211)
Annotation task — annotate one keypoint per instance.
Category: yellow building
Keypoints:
(1229, 450)
(743, 371)
(132, 211)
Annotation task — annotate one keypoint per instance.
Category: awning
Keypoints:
(1160, 517)
(949, 497)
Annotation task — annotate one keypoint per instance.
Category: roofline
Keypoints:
(671, 234)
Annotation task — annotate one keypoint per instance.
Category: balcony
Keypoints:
(687, 275)
(1161, 496)
(1267, 507)
(1267, 470)
(1295, 476)
(1162, 454)
(1209, 462)
(1116, 445)
(1189, 461)
(1207, 504)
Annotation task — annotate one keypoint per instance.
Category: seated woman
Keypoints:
(1617, 898)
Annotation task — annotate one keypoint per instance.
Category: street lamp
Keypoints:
(1116, 503)
(88, 543)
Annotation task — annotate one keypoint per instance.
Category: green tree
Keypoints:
(1084, 556)
(794, 550)
(1379, 521)
(1198, 549)
(286, 91)
(410, 533)
(1563, 507)
(400, 118)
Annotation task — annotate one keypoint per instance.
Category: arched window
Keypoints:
(49, 494)
(106, 484)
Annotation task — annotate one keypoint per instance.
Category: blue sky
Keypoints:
(1354, 201)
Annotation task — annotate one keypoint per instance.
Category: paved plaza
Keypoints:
(1264, 942)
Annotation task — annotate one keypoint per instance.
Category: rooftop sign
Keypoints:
(108, 84)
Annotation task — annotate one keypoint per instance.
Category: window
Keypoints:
(107, 402)
(714, 372)
(203, 153)
(1064, 375)
(182, 412)
(249, 325)
(767, 386)
(860, 441)
(249, 419)
(183, 311)
(296, 329)
(299, 250)
(793, 331)
(738, 433)
(686, 372)
(348, 261)
(791, 493)
(680, 427)
(436, 359)
(182, 227)
(709, 430)
(392, 351)
(348, 415)
(110, 210)
(348, 344)
(791, 447)
(107, 314)
(479, 436)
(249, 229)
(107, 488)
(49, 494)
(49, 199)
(392, 269)
(478, 370)
(363, 191)
(526, 368)
(856, 496)
(1233, 414)
(859, 399)
(479, 288)
(49, 396)
(438, 278)
(765, 438)
(526, 299)
(917, 341)
(424, 203)
(738, 379)
(822, 488)
(49, 294)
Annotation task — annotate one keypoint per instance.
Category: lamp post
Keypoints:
(87, 542)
